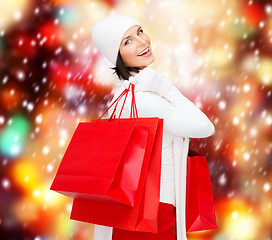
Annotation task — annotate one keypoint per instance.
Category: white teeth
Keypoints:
(143, 52)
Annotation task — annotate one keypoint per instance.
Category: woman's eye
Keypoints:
(141, 30)
(138, 34)
(126, 42)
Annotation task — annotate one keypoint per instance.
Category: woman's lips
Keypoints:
(148, 53)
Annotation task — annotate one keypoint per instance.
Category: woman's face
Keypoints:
(135, 42)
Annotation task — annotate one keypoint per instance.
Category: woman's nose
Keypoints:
(141, 40)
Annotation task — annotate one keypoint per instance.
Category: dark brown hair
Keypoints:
(123, 71)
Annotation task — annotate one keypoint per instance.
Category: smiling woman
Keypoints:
(122, 40)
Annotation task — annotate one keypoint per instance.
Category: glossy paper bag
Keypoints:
(200, 209)
(99, 160)
(143, 215)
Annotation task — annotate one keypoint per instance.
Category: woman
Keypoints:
(122, 40)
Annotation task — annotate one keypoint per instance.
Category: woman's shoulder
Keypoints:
(147, 80)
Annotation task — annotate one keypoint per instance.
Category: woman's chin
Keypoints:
(142, 64)
(146, 63)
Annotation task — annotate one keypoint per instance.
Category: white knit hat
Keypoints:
(108, 33)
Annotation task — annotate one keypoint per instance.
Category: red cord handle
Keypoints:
(133, 110)
(116, 101)
(195, 145)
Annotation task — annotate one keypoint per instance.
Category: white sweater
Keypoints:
(156, 96)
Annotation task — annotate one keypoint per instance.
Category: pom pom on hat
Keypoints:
(108, 33)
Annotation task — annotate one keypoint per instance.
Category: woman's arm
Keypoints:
(174, 107)
(177, 99)
(181, 116)
(184, 119)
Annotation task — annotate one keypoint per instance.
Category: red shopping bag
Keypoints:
(143, 216)
(200, 209)
(98, 156)
(137, 178)
(99, 159)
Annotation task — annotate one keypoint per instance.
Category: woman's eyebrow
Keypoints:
(130, 35)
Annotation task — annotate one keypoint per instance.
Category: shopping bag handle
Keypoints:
(116, 100)
(133, 110)
(120, 96)
(195, 145)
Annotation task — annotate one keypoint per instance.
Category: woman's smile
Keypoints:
(145, 53)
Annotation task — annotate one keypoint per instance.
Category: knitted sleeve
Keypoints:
(178, 100)
(184, 119)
